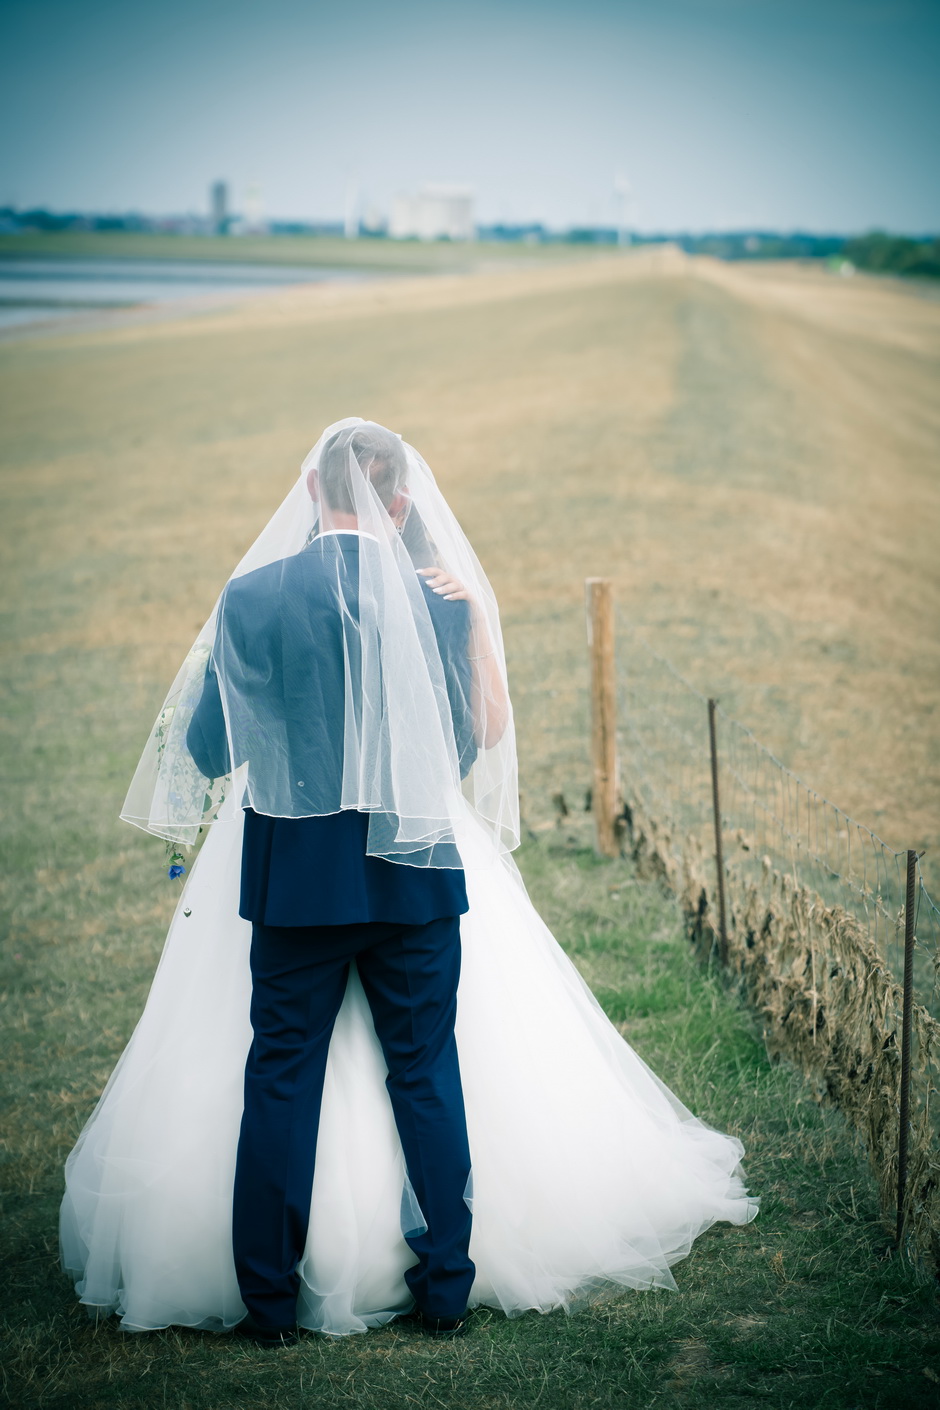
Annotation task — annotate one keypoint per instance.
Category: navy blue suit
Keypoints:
(316, 902)
(314, 871)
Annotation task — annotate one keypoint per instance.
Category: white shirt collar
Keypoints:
(359, 533)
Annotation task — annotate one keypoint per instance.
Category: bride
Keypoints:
(588, 1175)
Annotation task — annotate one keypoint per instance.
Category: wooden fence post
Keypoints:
(719, 849)
(604, 787)
(907, 1016)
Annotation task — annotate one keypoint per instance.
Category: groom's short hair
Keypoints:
(380, 455)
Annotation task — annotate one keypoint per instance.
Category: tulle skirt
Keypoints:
(589, 1175)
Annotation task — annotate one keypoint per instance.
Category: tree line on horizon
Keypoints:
(894, 254)
(877, 252)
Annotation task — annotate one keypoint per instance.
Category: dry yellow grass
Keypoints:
(750, 452)
(735, 448)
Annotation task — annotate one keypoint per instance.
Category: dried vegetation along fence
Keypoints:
(830, 934)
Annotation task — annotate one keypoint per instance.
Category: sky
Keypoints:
(816, 115)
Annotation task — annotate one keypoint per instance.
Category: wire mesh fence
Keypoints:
(772, 822)
(815, 903)
(810, 910)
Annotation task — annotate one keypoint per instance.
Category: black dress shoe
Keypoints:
(433, 1326)
(249, 1330)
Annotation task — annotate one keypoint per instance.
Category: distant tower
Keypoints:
(351, 215)
(254, 211)
(218, 207)
(623, 196)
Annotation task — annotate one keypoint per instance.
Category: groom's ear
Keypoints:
(313, 484)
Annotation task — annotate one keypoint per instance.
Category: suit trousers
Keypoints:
(299, 976)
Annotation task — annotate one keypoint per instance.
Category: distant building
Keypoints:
(373, 222)
(252, 221)
(435, 213)
(218, 208)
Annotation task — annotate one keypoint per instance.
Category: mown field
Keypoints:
(751, 455)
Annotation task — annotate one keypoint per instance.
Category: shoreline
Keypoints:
(54, 315)
(360, 293)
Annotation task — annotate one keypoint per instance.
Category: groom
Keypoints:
(317, 901)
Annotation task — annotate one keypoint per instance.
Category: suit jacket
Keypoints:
(315, 871)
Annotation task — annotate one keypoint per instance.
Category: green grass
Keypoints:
(798, 1308)
(416, 256)
(561, 424)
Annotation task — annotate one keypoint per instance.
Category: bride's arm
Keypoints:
(488, 699)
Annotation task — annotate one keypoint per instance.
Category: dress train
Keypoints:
(589, 1175)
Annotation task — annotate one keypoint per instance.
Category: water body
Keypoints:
(44, 290)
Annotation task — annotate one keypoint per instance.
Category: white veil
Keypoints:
(331, 675)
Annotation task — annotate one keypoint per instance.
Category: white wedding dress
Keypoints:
(589, 1175)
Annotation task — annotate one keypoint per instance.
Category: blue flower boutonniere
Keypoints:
(177, 868)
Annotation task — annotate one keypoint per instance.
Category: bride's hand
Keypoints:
(489, 702)
(445, 584)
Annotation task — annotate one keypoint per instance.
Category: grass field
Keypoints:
(749, 452)
(796, 1309)
(366, 254)
(751, 455)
